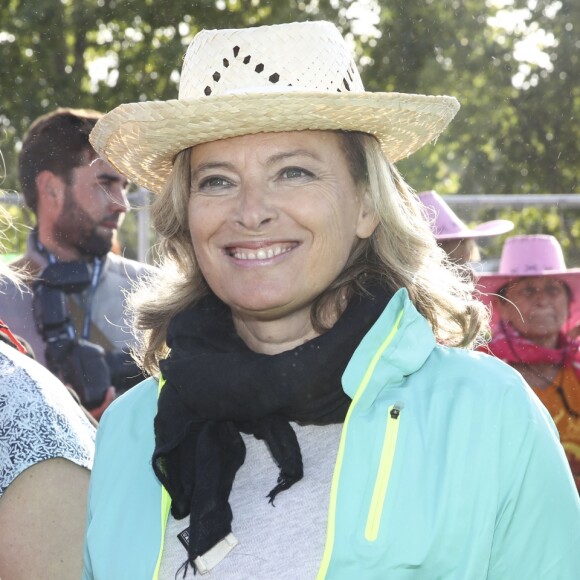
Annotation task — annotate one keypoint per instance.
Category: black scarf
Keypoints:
(216, 387)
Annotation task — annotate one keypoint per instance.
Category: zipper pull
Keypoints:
(396, 410)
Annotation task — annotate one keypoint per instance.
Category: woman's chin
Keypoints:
(262, 311)
(262, 308)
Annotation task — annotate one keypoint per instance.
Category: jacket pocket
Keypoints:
(393, 421)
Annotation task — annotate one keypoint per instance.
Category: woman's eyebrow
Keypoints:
(293, 153)
(210, 166)
(272, 160)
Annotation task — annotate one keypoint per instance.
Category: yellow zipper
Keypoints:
(165, 507)
(325, 563)
(384, 474)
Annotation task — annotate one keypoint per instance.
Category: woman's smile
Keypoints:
(260, 253)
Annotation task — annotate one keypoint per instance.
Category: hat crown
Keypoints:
(444, 221)
(532, 255)
(300, 56)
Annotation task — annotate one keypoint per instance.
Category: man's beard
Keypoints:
(76, 228)
(95, 245)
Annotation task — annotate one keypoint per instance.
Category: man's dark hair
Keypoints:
(56, 142)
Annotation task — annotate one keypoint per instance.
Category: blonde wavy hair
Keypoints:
(7, 274)
(401, 253)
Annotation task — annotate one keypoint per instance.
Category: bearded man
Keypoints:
(72, 315)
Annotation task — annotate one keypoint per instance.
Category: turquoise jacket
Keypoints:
(448, 468)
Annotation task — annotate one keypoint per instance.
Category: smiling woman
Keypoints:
(309, 347)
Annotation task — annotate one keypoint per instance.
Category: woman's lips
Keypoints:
(264, 252)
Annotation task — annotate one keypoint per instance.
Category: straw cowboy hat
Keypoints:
(531, 255)
(287, 77)
(445, 224)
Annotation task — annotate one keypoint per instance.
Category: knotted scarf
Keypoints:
(513, 348)
(216, 387)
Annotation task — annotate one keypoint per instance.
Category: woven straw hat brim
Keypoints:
(141, 140)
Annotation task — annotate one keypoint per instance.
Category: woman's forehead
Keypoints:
(536, 281)
(280, 139)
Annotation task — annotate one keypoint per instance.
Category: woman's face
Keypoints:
(543, 304)
(273, 218)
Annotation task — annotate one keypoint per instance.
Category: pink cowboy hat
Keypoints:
(531, 255)
(445, 225)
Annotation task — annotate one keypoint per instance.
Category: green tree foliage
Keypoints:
(546, 152)
(517, 130)
(505, 139)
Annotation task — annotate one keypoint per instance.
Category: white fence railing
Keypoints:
(140, 202)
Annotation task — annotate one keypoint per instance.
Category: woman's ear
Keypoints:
(367, 218)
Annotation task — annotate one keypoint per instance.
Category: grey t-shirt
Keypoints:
(284, 541)
(39, 419)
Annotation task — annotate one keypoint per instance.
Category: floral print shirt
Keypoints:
(39, 419)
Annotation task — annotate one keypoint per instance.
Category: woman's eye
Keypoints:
(295, 172)
(554, 290)
(215, 181)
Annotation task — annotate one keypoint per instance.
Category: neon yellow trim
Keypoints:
(383, 477)
(165, 507)
(325, 563)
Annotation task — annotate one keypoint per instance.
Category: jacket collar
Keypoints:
(397, 345)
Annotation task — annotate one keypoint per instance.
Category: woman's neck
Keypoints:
(274, 336)
(547, 341)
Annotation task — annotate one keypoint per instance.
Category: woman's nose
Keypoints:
(543, 295)
(254, 207)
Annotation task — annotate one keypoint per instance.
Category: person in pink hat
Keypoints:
(458, 240)
(534, 304)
